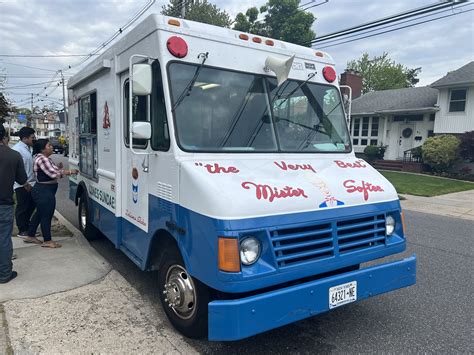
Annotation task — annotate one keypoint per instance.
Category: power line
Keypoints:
(27, 66)
(25, 86)
(383, 21)
(116, 34)
(315, 5)
(396, 29)
(392, 25)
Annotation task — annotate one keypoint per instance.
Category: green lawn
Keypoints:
(422, 185)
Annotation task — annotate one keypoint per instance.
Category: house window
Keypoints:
(406, 118)
(457, 100)
(365, 130)
(432, 116)
(430, 133)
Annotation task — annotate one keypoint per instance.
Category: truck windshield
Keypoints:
(240, 112)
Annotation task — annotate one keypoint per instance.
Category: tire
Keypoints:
(184, 299)
(85, 225)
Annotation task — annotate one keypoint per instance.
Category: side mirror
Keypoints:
(141, 79)
(141, 130)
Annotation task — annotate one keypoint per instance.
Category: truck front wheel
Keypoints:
(184, 298)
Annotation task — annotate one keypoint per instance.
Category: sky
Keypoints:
(45, 27)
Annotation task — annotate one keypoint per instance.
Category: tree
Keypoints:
(198, 10)
(382, 73)
(283, 20)
(4, 108)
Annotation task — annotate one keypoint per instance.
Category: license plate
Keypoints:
(342, 294)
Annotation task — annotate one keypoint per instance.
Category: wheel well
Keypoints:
(162, 241)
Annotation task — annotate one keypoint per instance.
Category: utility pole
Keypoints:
(64, 105)
(30, 121)
(183, 8)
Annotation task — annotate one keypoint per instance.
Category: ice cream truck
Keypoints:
(222, 161)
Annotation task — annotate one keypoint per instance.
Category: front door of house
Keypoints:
(405, 138)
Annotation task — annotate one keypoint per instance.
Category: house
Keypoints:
(455, 101)
(402, 119)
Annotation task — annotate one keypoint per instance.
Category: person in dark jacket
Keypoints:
(11, 170)
(24, 203)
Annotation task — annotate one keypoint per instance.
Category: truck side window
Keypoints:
(140, 112)
(160, 138)
(88, 160)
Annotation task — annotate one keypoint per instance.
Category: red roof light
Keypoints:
(329, 74)
(177, 46)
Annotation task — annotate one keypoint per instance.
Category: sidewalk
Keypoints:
(69, 300)
(457, 205)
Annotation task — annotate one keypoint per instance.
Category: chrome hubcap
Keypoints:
(180, 292)
(83, 217)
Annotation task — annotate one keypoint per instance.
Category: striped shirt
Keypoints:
(45, 169)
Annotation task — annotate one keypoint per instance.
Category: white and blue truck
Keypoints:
(222, 161)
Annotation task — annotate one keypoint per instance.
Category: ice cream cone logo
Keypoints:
(106, 121)
(135, 185)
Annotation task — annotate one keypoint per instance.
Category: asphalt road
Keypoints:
(435, 315)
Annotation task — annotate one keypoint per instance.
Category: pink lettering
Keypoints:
(285, 167)
(364, 187)
(217, 169)
(357, 164)
(267, 192)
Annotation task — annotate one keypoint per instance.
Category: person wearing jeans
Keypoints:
(11, 170)
(44, 193)
(24, 203)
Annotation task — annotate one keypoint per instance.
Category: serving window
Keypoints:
(88, 160)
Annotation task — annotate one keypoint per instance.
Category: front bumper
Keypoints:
(242, 318)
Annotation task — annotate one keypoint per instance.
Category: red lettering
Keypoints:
(267, 192)
(364, 187)
(357, 164)
(217, 169)
(284, 166)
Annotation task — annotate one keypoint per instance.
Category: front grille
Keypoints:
(320, 241)
(360, 233)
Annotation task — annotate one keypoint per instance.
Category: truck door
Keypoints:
(134, 176)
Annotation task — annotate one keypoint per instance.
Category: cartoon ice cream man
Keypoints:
(329, 199)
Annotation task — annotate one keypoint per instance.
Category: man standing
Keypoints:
(24, 203)
(11, 170)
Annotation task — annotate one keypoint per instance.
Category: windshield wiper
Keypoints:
(310, 76)
(189, 87)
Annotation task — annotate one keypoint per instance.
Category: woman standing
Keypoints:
(44, 192)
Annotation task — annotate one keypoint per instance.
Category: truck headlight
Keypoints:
(389, 225)
(249, 250)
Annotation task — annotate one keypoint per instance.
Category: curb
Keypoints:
(82, 241)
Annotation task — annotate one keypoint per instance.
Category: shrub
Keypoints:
(416, 153)
(466, 149)
(372, 152)
(440, 152)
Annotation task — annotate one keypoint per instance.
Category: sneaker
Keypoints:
(22, 235)
(12, 276)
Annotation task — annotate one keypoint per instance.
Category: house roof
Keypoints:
(396, 100)
(462, 75)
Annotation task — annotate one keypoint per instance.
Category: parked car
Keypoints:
(57, 145)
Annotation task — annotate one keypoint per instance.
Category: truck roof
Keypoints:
(224, 35)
